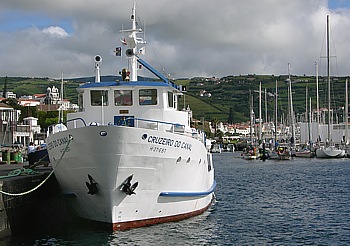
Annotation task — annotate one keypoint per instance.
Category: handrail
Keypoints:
(154, 121)
(125, 123)
(52, 126)
(79, 118)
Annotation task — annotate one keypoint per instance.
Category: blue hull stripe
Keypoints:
(189, 193)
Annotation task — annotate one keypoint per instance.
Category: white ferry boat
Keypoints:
(129, 157)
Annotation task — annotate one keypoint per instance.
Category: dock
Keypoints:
(28, 198)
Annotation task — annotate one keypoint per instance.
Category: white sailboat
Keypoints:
(329, 151)
(128, 157)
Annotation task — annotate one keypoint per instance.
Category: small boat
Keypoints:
(251, 154)
(282, 153)
(216, 148)
(305, 153)
(129, 157)
(38, 156)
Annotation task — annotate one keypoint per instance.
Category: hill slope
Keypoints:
(230, 96)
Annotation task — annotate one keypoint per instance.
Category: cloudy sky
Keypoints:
(186, 38)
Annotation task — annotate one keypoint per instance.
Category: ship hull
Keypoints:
(174, 174)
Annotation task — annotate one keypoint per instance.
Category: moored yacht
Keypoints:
(329, 150)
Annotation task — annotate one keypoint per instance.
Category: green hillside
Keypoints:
(29, 86)
(229, 96)
(235, 92)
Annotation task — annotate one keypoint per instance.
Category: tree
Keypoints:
(13, 102)
(219, 134)
(47, 118)
(5, 88)
(230, 115)
(27, 111)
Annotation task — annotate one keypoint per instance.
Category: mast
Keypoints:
(251, 118)
(306, 103)
(260, 114)
(346, 111)
(309, 127)
(291, 108)
(306, 111)
(329, 84)
(266, 120)
(133, 70)
(276, 96)
(317, 104)
(131, 41)
(60, 112)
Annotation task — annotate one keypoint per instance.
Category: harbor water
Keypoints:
(296, 202)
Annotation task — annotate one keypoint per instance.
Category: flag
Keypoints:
(123, 41)
(118, 51)
(142, 51)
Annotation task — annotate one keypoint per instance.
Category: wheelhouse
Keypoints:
(119, 103)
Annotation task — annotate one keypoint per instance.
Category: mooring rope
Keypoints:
(39, 185)
(20, 171)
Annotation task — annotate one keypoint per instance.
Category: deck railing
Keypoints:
(138, 123)
(154, 124)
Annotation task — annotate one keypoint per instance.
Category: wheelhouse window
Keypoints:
(122, 97)
(99, 98)
(170, 99)
(80, 102)
(148, 97)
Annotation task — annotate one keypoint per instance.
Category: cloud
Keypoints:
(55, 31)
(185, 38)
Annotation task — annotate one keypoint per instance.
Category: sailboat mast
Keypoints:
(309, 123)
(306, 104)
(276, 98)
(266, 120)
(317, 103)
(260, 114)
(346, 111)
(329, 83)
(251, 118)
(291, 108)
(306, 111)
